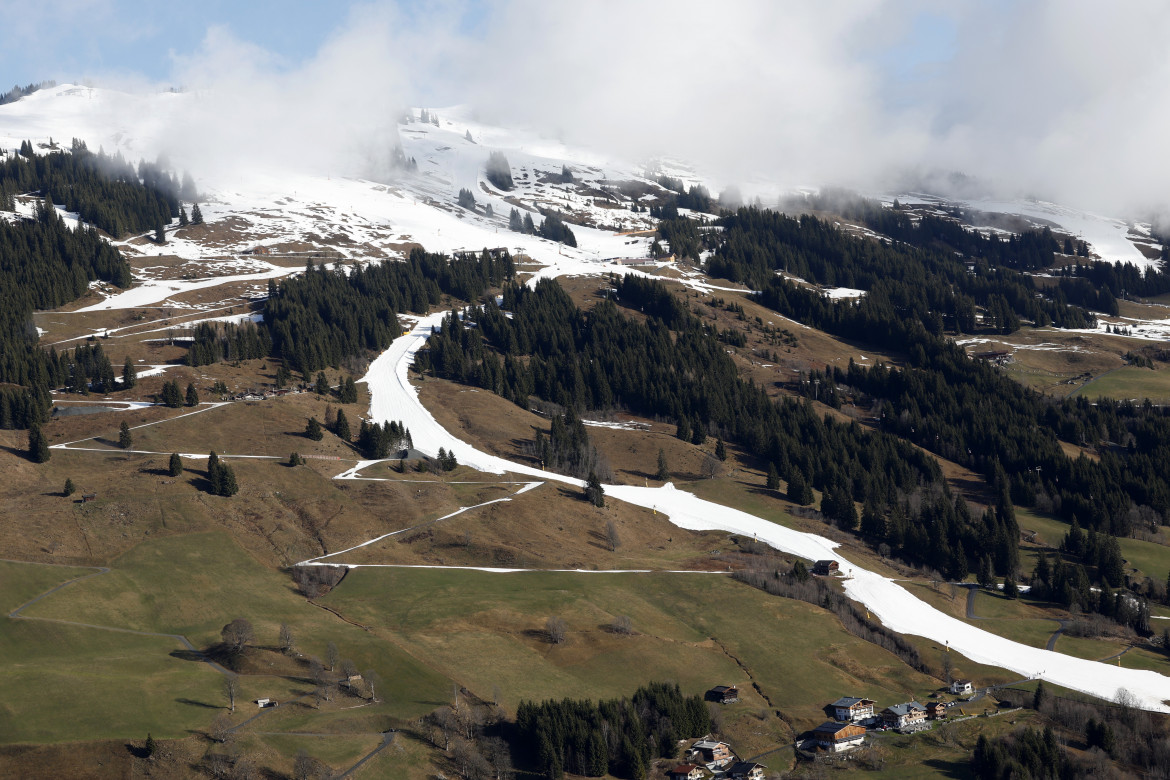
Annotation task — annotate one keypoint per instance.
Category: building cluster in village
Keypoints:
(853, 717)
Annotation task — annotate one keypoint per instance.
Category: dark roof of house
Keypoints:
(684, 769)
(849, 701)
(832, 727)
(903, 709)
(743, 767)
(724, 688)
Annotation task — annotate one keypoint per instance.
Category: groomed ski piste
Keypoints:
(392, 397)
(378, 219)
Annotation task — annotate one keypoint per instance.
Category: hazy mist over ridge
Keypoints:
(1052, 99)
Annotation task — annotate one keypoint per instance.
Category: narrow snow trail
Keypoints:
(392, 397)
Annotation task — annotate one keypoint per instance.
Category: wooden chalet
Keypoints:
(899, 716)
(826, 568)
(837, 737)
(710, 753)
(723, 694)
(850, 709)
(686, 772)
(936, 710)
(746, 770)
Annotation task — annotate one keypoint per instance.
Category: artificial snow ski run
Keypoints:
(392, 397)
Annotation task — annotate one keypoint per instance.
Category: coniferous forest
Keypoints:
(620, 737)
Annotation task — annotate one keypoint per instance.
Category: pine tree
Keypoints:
(1010, 590)
(720, 449)
(70, 489)
(124, 439)
(773, 477)
(663, 473)
(160, 233)
(38, 448)
(183, 221)
(799, 492)
(175, 467)
(341, 426)
(529, 225)
(227, 482)
(129, 375)
(593, 490)
(151, 746)
(683, 429)
(214, 473)
(192, 395)
(515, 224)
(313, 430)
(322, 385)
(196, 215)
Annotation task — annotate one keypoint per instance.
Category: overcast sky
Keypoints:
(1053, 98)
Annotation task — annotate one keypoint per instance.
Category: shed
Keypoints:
(87, 497)
(723, 694)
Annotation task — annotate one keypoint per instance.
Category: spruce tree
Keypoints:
(70, 489)
(214, 473)
(313, 430)
(773, 477)
(38, 448)
(593, 490)
(196, 215)
(663, 473)
(175, 467)
(341, 427)
(720, 449)
(514, 222)
(322, 384)
(160, 233)
(125, 441)
(183, 221)
(192, 395)
(227, 482)
(129, 375)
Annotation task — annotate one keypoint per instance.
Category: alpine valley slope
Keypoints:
(374, 221)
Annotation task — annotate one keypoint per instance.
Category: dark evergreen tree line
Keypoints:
(17, 91)
(619, 737)
(107, 192)
(321, 317)
(602, 359)
(224, 341)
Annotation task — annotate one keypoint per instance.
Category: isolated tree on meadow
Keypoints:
(151, 746)
(183, 221)
(295, 459)
(172, 396)
(38, 447)
(129, 375)
(70, 489)
(313, 430)
(594, 493)
(125, 441)
(175, 467)
(332, 656)
(236, 635)
(196, 215)
(556, 630)
(663, 473)
(373, 682)
(611, 536)
(228, 486)
(231, 685)
(192, 396)
(287, 642)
